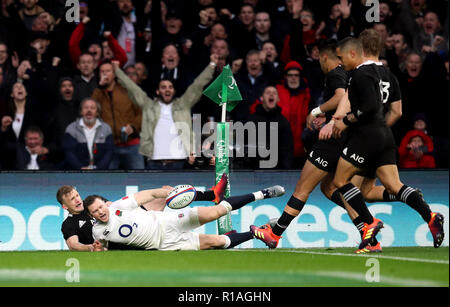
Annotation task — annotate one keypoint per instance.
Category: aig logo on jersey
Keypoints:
(354, 156)
(319, 160)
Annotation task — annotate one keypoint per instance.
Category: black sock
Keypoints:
(285, 219)
(238, 238)
(238, 202)
(352, 195)
(336, 198)
(388, 196)
(359, 224)
(282, 223)
(413, 199)
(205, 196)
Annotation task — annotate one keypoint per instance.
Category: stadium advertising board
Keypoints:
(30, 217)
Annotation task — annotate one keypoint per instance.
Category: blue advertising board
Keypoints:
(31, 218)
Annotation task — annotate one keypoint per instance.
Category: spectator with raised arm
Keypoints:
(124, 118)
(166, 139)
(95, 46)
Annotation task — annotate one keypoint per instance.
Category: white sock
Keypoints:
(227, 241)
(258, 195)
(226, 205)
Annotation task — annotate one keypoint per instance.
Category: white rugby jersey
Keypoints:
(131, 225)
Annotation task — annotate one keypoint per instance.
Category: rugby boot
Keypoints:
(220, 188)
(370, 249)
(275, 191)
(265, 234)
(370, 231)
(436, 226)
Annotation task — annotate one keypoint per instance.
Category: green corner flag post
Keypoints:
(224, 92)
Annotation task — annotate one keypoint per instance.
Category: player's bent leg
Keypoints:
(211, 241)
(309, 179)
(331, 192)
(358, 181)
(224, 241)
(209, 214)
(328, 188)
(413, 198)
(390, 178)
(344, 173)
(353, 197)
(371, 192)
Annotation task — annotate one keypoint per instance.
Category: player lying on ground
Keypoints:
(126, 223)
(77, 227)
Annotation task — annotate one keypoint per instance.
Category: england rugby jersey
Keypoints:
(130, 224)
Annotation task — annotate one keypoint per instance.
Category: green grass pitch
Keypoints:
(401, 266)
(406, 266)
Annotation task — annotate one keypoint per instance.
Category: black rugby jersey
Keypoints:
(365, 94)
(78, 225)
(334, 79)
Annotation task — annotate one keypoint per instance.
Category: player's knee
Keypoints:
(365, 193)
(339, 182)
(327, 189)
(211, 241)
(392, 188)
(302, 191)
(303, 195)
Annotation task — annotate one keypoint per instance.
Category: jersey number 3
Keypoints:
(384, 89)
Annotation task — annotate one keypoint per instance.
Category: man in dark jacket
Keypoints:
(252, 78)
(88, 142)
(32, 155)
(276, 126)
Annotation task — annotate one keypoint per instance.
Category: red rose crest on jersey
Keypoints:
(180, 215)
(118, 213)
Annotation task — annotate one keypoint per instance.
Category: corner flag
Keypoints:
(224, 90)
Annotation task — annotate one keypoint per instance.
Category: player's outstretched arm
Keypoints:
(74, 245)
(145, 196)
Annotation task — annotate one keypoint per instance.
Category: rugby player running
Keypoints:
(324, 155)
(372, 45)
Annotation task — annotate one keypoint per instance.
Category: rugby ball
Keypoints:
(181, 196)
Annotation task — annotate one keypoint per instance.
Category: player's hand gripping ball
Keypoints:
(181, 196)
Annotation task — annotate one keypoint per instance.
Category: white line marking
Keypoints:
(372, 255)
(383, 279)
(31, 274)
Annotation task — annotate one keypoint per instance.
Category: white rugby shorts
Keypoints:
(178, 234)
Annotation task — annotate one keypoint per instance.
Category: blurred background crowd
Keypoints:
(104, 92)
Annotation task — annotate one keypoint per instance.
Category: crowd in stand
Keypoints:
(105, 91)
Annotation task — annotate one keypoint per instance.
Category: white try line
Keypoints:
(372, 255)
(31, 274)
(383, 279)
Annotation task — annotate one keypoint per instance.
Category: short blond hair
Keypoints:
(64, 190)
